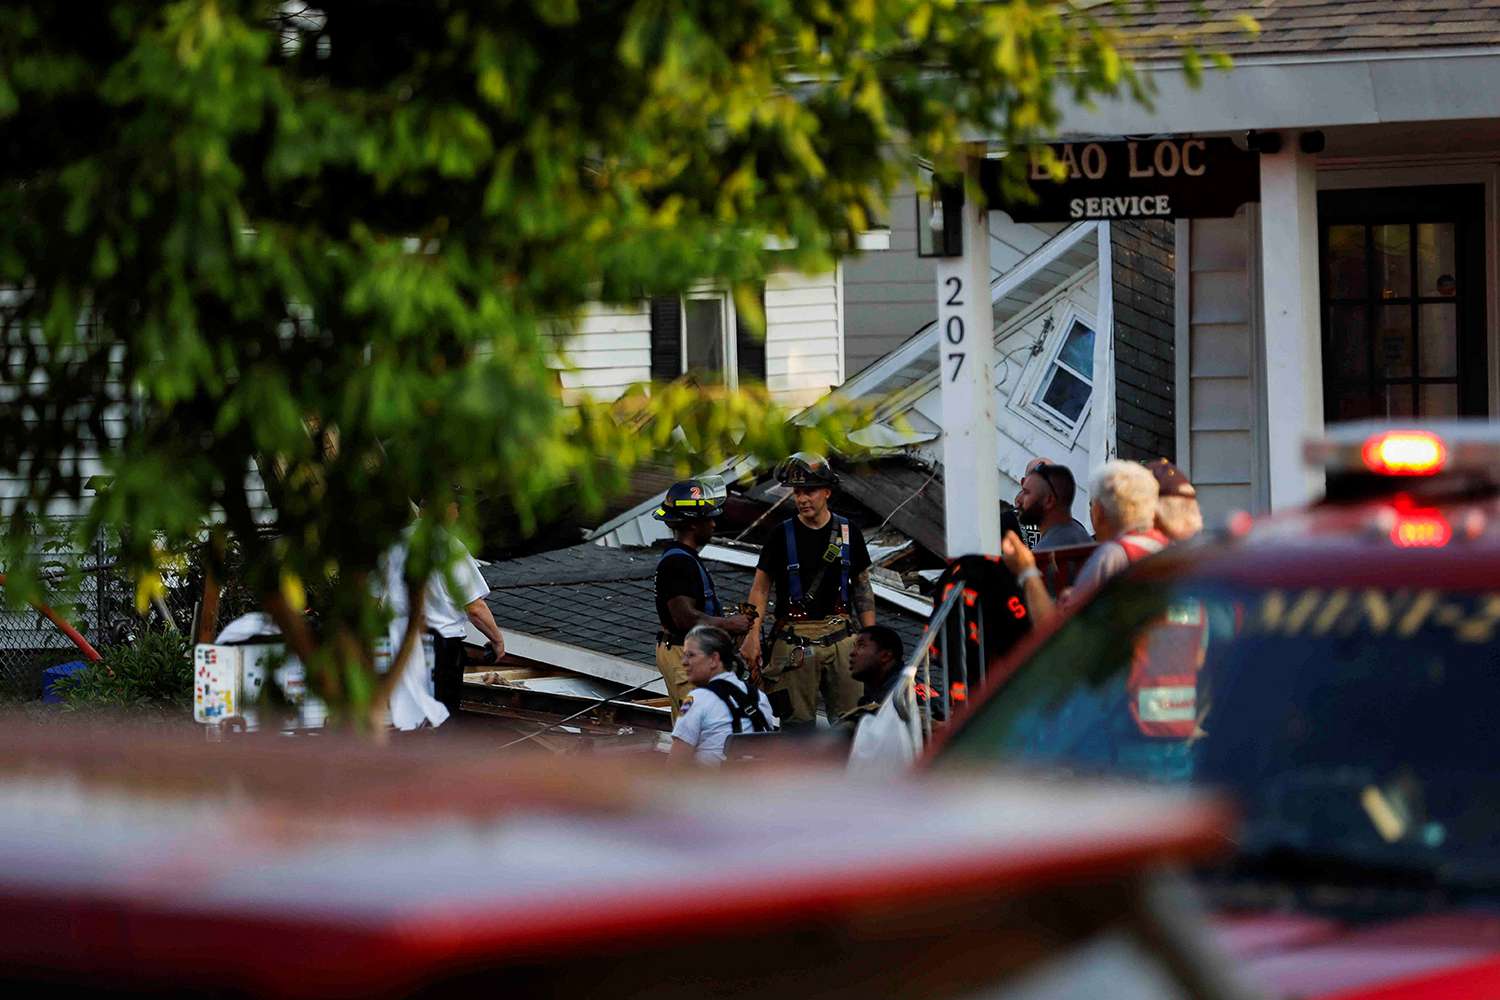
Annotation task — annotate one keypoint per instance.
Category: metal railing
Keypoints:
(955, 635)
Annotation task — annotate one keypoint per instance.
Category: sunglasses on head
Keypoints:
(1045, 471)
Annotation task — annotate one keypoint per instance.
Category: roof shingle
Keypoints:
(603, 599)
(1305, 26)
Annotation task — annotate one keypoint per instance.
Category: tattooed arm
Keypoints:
(862, 595)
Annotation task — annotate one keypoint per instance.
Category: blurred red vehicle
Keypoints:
(1336, 670)
(311, 868)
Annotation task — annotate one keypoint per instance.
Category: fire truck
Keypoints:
(1333, 670)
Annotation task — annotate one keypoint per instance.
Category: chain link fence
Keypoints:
(101, 605)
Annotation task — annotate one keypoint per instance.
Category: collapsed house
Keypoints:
(1081, 321)
(580, 622)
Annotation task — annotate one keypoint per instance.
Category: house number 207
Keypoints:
(953, 329)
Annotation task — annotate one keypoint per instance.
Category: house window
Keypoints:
(1065, 387)
(705, 340)
(700, 334)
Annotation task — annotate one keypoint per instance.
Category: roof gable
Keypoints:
(901, 377)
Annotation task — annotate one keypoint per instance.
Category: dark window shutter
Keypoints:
(750, 350)
(666, 338)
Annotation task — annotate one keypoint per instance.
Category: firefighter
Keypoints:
(685, 595)
(819, 566)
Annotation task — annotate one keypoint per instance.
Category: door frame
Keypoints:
(1439, 171)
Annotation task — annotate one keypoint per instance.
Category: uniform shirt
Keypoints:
(812, 546)
(445, 606)
(443, 611)
(705, 723)
(677, 576)
(1063, 535)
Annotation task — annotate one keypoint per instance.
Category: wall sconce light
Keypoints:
(940, 218)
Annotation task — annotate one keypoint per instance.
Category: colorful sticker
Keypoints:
(215, 682)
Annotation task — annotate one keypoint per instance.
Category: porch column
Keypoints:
(966, 346)
(1293, 390)
(1102, 443)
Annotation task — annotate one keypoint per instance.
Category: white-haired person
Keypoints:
(1122, 506)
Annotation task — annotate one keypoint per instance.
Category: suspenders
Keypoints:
(710, 598)
(794, 569)
(742, 705)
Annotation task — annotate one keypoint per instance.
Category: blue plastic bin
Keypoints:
(52, 675)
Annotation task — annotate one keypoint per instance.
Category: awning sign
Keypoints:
(1135, 179)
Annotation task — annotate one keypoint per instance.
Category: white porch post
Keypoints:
(966, 343)
(1293, 390)
(1101, 440)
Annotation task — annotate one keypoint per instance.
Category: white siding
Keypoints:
(804, 342)
(1217, 406)
(611, 348)
(609, 351)
(1012, 242)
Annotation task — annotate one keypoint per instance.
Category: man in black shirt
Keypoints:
(820, 568)
(876, 662)
(685, 595)
(1045, 504)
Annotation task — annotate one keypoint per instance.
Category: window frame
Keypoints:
(726, 306)
(1026, 400)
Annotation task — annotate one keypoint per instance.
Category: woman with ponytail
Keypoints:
(721, 703)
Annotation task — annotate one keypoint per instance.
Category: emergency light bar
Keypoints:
(1405, 453)
(1375, 448)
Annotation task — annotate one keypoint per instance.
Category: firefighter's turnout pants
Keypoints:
(669, 662)
(812, 660)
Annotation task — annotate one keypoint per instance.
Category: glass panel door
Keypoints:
(1403, 303)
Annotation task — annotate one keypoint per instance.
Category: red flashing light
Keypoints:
(1017, 609)
(970, 597)
(959, 692)
(1424, 530)
(1405, 453)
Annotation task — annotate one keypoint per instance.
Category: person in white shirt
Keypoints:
(419, 696)
(449, 613)
(720, 703)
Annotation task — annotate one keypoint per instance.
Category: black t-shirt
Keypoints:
(812, 548)
(1011, 521)
(677, 576)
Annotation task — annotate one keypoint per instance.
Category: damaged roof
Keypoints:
(603, 599)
